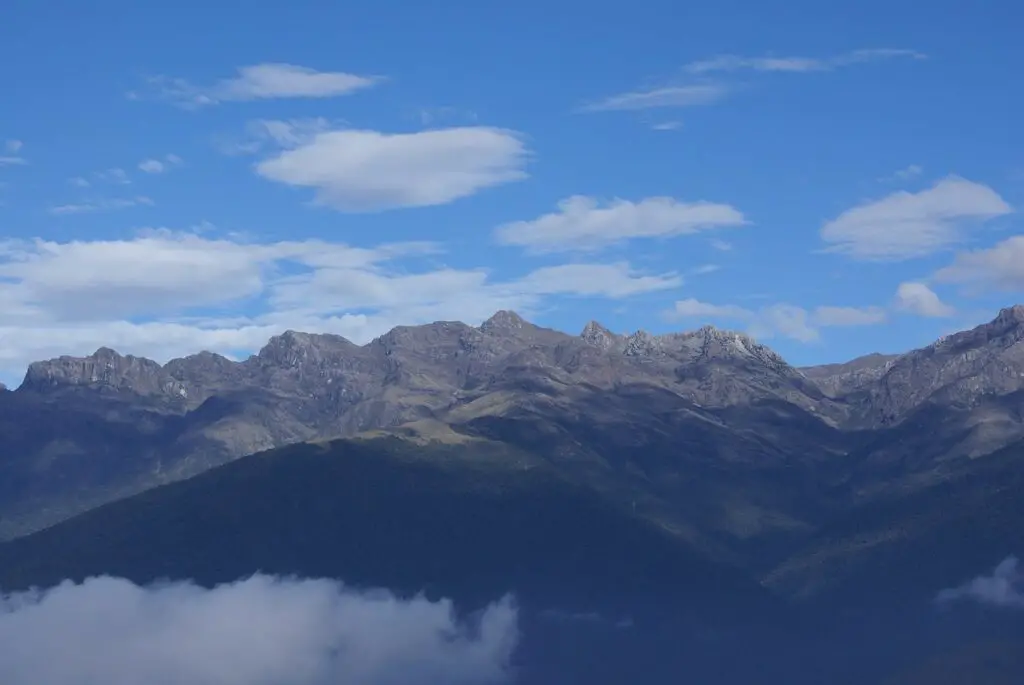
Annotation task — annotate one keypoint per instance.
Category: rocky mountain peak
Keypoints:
(1010, 316)
(599, 336)
(293, 348)
(641, 344)
(106, 354)
(503, 320)
(105, 368)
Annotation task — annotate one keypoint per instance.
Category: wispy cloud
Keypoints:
(779, 319)
(667, 126)
(266, 81)
(725, 63)
(115, 175)
(101, 205)
(159, 166)
(1000, 267)
(584, 223)
(907, 225)
(260, 631)
(677, 95)
(663, 97)
(12, 147)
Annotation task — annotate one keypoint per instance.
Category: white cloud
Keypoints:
(849, 316)
(667, 126)
(696, 94)
(918, 298)
(796, 64)
(116, 175)
(693, 308)
(79, 182)
(263, 82)
(10, 160)
(158, 166)
(721, 245)
(706, 269)
(101, 205)
(1003, 588)
(905, 174)
(596, 280)
(666, 96)
(905, 225)
(356, 170)
(581, 223)
(780, 319)
(1000, 267)
(786, 320)
(13, 146)
(258, 631)
(165, 294)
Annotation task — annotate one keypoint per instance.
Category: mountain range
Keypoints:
(694, 470)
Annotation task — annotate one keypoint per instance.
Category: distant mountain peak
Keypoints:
(294, 349)
(1010, 315)
(105, 368)
(641, 344)
(504, 319)
(599, 336)
(106, 353)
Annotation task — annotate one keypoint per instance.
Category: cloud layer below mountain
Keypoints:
(258, 631)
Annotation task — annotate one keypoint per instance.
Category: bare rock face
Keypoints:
(959, 369)
(837, 380)
(105, 369)
(597, 335)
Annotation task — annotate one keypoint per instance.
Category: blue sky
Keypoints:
(835, 178)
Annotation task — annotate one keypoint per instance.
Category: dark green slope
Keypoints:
(470, 520)
(904, 548)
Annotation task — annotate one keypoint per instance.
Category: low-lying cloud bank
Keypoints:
(1003, 588)
(259, 631)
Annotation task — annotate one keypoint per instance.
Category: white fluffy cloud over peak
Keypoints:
(918, 298)
(584, 223)
(164, 294)
(258, 631)
(359, 170)
(272, 80)
(906, 225)
(779, 319)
